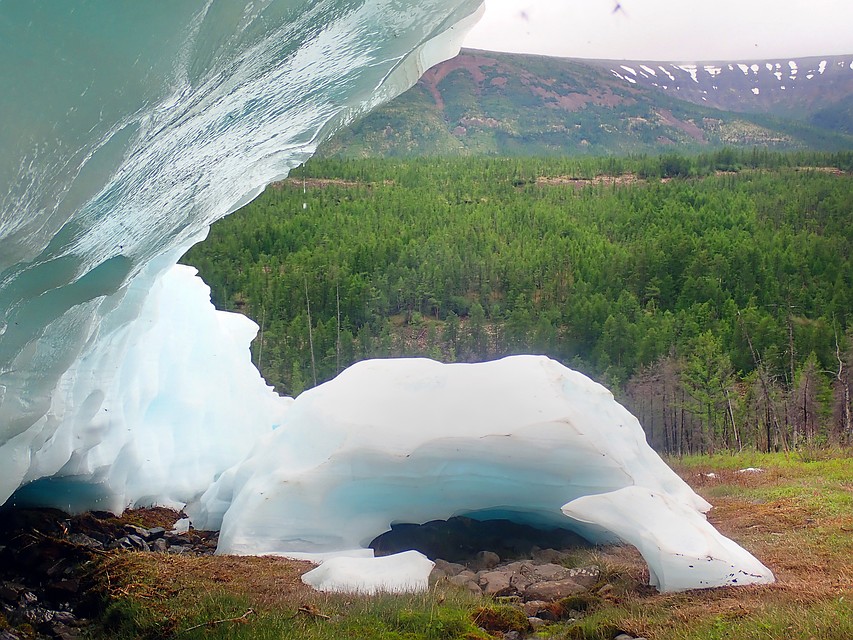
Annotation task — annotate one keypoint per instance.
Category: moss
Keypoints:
(579, 603)
(26, 631)
(594, 631)
(501, 618)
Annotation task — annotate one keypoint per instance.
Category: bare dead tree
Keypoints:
(770, 408)
(310, 333)
(842, 378)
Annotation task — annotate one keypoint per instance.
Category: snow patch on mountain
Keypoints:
(737, 85)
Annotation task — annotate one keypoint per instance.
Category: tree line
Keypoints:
(713, 294)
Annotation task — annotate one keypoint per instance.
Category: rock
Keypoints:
(8, 634)
(587, 577)
(605, 590)
(10, 591)
(534, 607)
(553, 590)
(521, 582)
(62, 632)
(175, 538)
(496, 583)
(160, 545)
(28, 598)
(137, 531)
(444, 570)
(155, 533)
(449, 568)
(57, 568)
(546, 556)
(474, 588)
(549, 572)
(462, 577)
(137, 542)
(177, 549)
(64, 588)
(466, 579)
(623, 636)
(512, 635)
(66, 617)
(485, 560)
(33, 616)
(535, 622)
(82, 540)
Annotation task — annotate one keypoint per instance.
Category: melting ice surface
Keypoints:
(127, 130)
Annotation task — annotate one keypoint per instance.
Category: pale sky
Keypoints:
(667, 30)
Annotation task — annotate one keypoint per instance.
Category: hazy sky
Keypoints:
(669, 30)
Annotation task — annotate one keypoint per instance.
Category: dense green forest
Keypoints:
(713, 294)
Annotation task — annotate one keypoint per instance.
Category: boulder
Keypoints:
(553, 590)
(83, 540)
(534, 607)
(154, 533)
(496, 583)
(160, 545)
(587, 577)
(549, 572)
(485, 560)
(546, 556)
(11, 591)
(449, 569)
(535, 623)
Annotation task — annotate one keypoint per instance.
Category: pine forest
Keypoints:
(713, 294)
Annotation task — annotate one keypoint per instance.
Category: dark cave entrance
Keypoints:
(459, 539)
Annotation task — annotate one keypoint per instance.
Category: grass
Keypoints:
(796, 516)
(161, 596)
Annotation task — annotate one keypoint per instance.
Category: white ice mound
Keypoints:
(402, 572)
(682, 549)
(414, 440)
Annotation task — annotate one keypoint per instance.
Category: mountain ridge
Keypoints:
(511, 104)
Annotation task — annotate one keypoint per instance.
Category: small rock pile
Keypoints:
(535, 580)
(541, 587)
(158, 539)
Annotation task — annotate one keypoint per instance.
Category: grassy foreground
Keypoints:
(796, 516)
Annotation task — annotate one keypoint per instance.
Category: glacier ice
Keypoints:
(129, 129)
(154, 430)
(413, 440)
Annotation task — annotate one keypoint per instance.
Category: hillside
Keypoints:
(507, 104)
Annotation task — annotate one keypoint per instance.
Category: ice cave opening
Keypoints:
(460, 538)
